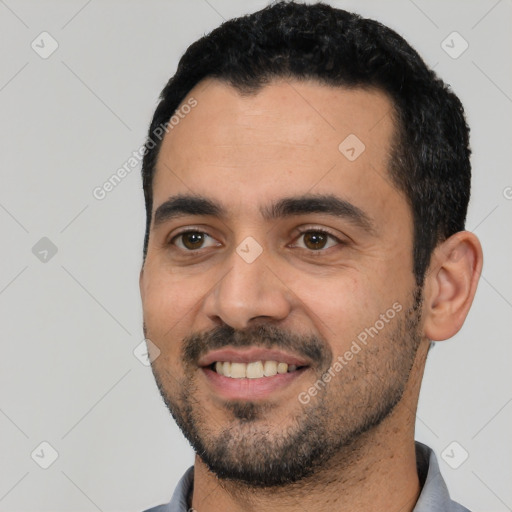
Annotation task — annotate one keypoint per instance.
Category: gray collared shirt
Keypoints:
(434, 496)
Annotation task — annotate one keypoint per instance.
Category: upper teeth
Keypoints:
(253, 370)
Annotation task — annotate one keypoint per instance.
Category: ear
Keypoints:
(450, 285)
(141, 288)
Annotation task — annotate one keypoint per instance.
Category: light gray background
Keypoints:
(70, 325)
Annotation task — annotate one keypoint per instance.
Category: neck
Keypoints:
(370, 475)
(376, 472)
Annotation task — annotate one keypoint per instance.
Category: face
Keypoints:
(278, 283)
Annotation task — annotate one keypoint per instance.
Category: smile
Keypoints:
(252, 370)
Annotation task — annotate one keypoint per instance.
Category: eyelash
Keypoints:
(301, 232)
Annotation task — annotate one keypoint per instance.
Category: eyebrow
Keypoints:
(328, 204)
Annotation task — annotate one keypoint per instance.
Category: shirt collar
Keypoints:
(434, 496)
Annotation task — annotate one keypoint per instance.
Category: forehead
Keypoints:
(289, 136)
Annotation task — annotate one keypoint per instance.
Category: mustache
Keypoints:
(268, 336)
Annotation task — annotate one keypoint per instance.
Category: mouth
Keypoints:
(253, 369)
(252, 373)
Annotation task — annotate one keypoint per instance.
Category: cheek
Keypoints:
(168, 305)
(344, 306)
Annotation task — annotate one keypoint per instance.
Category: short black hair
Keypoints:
(430, 157)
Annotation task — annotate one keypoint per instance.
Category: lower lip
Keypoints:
(250, 389)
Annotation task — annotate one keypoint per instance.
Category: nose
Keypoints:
(248, 293)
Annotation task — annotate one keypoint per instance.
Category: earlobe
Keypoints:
(450, 285)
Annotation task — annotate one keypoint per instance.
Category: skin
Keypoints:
(244, 152)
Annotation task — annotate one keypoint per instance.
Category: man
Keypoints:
(304, 247)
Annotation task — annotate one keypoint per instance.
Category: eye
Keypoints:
(193, 240)
(316, 240)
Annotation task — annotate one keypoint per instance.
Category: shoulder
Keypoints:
(179, 500)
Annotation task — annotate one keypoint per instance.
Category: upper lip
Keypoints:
(251, 354)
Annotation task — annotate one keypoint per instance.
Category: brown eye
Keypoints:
(315, 240)
(192, 240)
